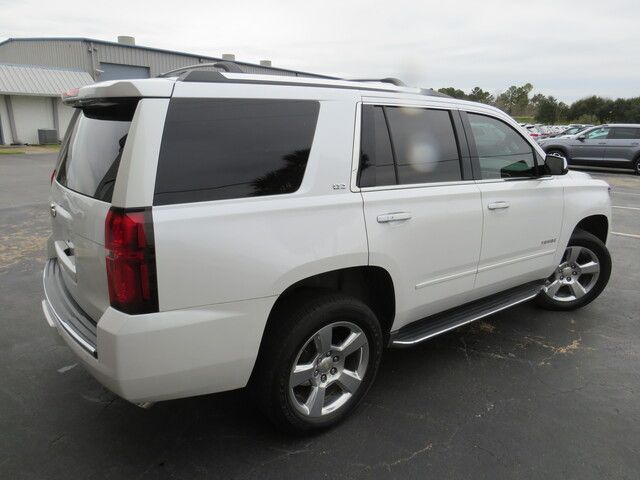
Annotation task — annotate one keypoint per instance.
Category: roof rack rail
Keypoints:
(237, 67)
(394, 81)
(192, 73)
(224, 65)
(434, 93)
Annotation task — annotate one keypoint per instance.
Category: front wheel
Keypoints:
(636, 166)
(319, 359)
(581, 275)
(558, 153)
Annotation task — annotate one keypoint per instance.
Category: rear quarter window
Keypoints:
(214, 149)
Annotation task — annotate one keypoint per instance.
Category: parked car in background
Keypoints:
(533, 131)
(605, 146)
(572, 130)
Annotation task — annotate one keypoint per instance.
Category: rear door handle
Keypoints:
(498, 205)
(394, 217)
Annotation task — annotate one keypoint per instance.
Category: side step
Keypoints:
(426, 328)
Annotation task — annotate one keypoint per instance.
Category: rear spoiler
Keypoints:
(152, 87)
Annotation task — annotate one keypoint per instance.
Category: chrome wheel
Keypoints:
(576, 275)
(328, 369)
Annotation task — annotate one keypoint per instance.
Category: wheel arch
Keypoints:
(597, 225)
(561, 148)
(371, 284)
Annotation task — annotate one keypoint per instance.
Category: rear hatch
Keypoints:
(81, 197)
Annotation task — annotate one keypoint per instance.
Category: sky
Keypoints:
(568, 49)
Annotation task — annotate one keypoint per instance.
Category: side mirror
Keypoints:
(582, 137)
(556, 165)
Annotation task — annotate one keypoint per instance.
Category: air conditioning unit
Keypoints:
(46, 136)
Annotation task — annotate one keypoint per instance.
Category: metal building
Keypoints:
(35, 71)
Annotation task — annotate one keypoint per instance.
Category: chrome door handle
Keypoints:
(498, 205)
(394, 217)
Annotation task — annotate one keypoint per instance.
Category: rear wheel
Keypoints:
(581, 275)
(319, 359)
(636, 166)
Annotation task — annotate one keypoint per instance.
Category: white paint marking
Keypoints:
(67, 368)
(617, 192)
(626, 234)
(627, 208)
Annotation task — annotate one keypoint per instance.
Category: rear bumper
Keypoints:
(166, 355)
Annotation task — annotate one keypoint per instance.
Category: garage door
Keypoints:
(116, 71)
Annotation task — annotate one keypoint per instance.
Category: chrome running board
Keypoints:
(429, 327)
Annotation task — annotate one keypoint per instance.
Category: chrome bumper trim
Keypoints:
(54, 318)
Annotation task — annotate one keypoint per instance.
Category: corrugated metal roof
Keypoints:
(39, 81)
(250, 67)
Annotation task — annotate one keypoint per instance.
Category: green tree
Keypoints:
(515, 100)
(593, 107)
(453, 92)
(547, 109)
(563, 112)
(479, 95)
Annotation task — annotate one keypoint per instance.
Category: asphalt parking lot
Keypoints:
(525, 394)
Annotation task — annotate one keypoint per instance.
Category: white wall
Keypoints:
(30, 114)
(4, 122)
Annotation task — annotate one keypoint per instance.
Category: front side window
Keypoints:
(407, 145)
(214, 149)
(502, 152)
(597, 133)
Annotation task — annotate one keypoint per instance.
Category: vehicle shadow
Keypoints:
(425, 389)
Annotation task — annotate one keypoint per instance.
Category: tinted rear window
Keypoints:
(624, 133)
(214, 149)
(407, 145)
(376, 156)
(90, 155)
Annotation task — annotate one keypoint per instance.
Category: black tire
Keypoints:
(636, 166)
(289, 329)
(560, 153)
(581, 238)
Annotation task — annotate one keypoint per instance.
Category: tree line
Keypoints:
(518, 101)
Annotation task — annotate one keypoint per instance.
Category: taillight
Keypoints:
(131, 262)
(53, 175)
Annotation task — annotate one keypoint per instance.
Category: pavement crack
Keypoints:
(56, 440)
(413, 455)
(464, 349)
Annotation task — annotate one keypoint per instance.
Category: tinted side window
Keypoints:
(215, 149)
(376, 158)
(424, 144)
(624, 133)
(502, 152)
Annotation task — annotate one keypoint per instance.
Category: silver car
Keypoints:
(606, 146)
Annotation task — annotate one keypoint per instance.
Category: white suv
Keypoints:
(215, 230)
